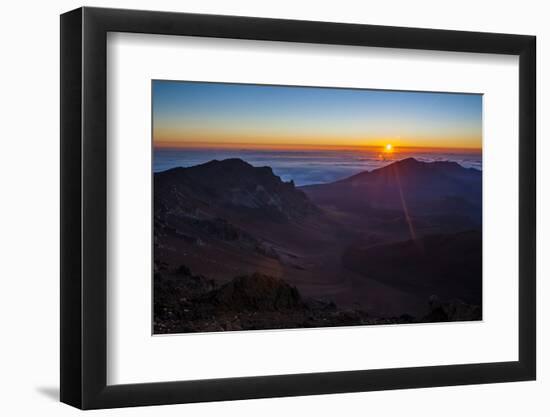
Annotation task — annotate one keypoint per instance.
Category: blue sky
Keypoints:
(192, 113)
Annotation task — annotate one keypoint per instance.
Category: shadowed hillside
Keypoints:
(368, 249)
(231, 186)
(436, 196)
(447, 265)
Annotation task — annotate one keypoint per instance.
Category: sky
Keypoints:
(198, 114)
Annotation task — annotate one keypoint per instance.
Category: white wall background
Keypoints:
(29, 211)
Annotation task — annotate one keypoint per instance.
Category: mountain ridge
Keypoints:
(412, 187)
(227, 218)
(232, 182)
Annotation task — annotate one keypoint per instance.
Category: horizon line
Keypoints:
(274, 146)
(392, 162)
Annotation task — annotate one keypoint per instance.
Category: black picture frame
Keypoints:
(84, 207)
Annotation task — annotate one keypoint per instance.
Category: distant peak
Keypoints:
(408, 161)
(402, 163)
(233, 162)
(415, 162)
(413, 165)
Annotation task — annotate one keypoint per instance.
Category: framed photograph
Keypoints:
(257, 208)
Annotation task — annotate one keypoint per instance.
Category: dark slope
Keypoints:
(225, 220)
(449, 266)
(443, 192)
(231, 185)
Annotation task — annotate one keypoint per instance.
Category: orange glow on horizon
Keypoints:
(170, 139)
(379, 147)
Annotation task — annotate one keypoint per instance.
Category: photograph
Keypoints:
(291, 207)
(255, 207)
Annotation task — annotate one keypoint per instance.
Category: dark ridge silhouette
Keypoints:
(231, 183)
(419, 188)
(367, 249)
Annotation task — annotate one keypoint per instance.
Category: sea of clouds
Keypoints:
(306, 167)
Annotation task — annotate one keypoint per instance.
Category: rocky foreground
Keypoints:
(193, 303)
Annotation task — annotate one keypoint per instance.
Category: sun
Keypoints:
(389, 147)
